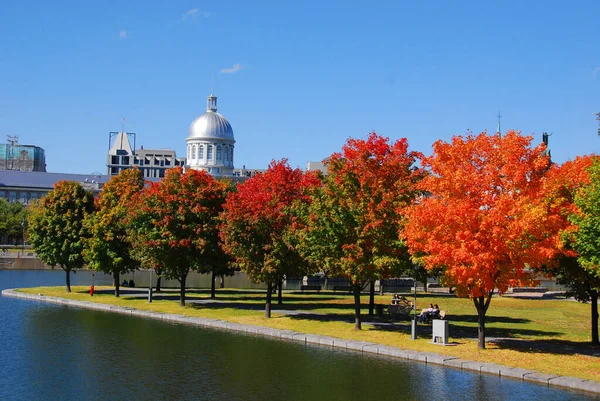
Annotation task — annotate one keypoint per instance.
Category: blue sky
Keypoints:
(295, 78)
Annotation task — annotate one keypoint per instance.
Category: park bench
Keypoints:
(347, 288)
(402, 310)
(430, 318)
(310, 288)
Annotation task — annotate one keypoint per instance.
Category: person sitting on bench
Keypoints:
(424, 316)
(395, 299)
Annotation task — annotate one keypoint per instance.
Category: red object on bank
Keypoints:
(92, 290)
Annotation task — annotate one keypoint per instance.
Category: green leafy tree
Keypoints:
(55, 226)
(352, 224)
(256, 224)
(12, 218)
(585, 240)
(174, 223)
(108, 248)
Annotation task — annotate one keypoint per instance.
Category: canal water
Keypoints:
(51, 352)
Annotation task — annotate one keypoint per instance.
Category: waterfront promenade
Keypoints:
(330, 341)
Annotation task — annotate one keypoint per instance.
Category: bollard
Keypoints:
(92, 290)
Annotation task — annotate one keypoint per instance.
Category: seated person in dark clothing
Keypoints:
(395, 299)
(124, 283)
(131, 283)
(436, 312)
(424, 316)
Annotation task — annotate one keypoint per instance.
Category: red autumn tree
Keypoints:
(174, 223)
(479, 221)
(352, 223)
(256, 224)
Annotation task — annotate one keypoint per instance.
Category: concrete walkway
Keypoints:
(361, 346)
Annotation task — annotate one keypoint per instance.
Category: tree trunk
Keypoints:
(68, 271)
(425, 285)
(482, 304)
(268, 303)
(116, 279)
(279, 298)
(212, 285)
(594, 299)
(158, 279)
(182, 290)
(371, 298)
(357, 289)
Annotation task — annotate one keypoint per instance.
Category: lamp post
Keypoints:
(413, 325)
(150, 287)
(23, 244)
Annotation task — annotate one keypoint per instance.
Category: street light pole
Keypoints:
(150, 287)
(413, 326)
(23, 244)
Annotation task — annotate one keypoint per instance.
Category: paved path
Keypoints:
(361, 346)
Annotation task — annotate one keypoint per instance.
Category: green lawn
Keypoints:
(545, 335)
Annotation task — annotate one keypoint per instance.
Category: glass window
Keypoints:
(201, 152)
(218, 152)
(12, 196)
(114, 160)
(209, 152)
(226, 154)
(194, 152)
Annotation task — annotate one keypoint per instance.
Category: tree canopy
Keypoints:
(256, 224)
(12, 216)
(479, 220)
(584, 238)
(175, 223)
(55, 226)
(353, 221)
(108, 248)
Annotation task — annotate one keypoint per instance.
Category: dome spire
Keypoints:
(211, 103)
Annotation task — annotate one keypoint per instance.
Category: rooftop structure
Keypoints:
(152, 162)
(14, 156)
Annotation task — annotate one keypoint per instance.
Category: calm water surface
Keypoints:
(51, 352)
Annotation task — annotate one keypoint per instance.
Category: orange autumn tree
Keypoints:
(479, 222)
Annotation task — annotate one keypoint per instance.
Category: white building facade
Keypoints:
(210, 142)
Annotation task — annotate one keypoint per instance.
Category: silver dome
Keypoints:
(211, 124)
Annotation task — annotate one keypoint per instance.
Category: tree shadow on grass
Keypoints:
(501, 332)
(488, 319)
(559, 347)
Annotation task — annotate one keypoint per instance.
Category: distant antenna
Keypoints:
(12, 140)
(499, 117)
(212, 82)
(123, 124)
